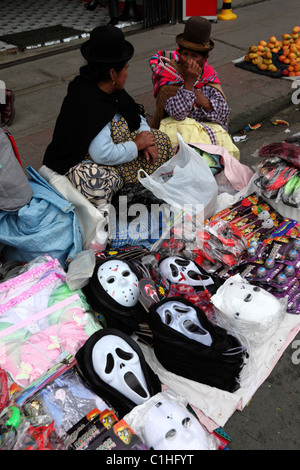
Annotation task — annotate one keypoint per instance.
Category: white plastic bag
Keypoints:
(185, 181)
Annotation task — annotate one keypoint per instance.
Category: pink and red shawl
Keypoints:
(164, 74)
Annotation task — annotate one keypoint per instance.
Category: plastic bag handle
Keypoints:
(143, 171)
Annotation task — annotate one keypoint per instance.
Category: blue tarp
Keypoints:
(47, 224)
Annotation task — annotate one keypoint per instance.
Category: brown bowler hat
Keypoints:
(196, 35)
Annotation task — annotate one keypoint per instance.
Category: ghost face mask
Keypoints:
(183, 318)
(210, 356)
(169, 426)
(118, 365)
(119, 281)
(245, 302)
(178, 270)
(114, 365)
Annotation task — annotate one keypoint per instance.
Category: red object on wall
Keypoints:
(206, 8)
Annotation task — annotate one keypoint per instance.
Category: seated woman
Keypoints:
(189, 96)
(101, 138)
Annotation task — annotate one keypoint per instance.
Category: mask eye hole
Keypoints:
(124, 354)
(248, 298)
(168, 317)
(181, 309)
(186, 422)
(170, 435)
(125, 273)
(109, 363)
(182, 262)
(256, 289)
(174, 270)
(110, 280)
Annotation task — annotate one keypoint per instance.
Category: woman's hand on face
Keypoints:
(151, 154)
(144, 139)
(191, 72)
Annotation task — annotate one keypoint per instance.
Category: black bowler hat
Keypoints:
(196, 35)
(107, 44)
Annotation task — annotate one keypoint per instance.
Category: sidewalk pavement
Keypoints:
(40, 78)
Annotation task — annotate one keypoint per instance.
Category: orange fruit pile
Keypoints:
(288, 47)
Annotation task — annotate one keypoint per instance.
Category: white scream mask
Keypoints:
(179, 270)
(169, 426)
(119, 281)
(183, 318)
(242, 301)
(118, 365)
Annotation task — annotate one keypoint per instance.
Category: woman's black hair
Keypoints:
(100, 72)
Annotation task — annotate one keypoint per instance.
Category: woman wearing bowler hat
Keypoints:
(189, 96)
(101, 137)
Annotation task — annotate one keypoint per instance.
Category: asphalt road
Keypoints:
(268, 132)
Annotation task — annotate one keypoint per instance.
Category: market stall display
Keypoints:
(186, 327)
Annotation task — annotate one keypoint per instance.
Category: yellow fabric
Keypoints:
(194, 133)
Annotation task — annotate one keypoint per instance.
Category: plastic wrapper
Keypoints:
(285, 150)
(81, 269)
(181, 431)
(17, 433)
(273, 174)
(4, 393)
(289, 194)
(219, 243)
(60, 396)
(33, 342)
(33, 276)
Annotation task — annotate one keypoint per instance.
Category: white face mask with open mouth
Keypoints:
(118, 365)
(119, 281)
(183, 318)
(179, 270)
(169, 426)
(243, 301)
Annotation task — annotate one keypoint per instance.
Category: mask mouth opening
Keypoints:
(192, 327)
(132, 382)
(170, 435)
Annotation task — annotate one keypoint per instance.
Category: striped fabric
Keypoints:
(164, 74)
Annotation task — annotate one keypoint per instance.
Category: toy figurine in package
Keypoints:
(274, 173)
(252, 209)
(60, 396)
(95, 434)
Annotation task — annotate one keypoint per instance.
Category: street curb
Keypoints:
(241, 119)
